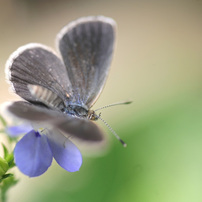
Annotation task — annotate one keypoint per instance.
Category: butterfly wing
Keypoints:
(37, 64)
(86, 46)
(81, 129)
(31, 112)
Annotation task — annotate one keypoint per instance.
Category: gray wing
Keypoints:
(31, 112)
(37, 65)
(86, 46)
(81, 129)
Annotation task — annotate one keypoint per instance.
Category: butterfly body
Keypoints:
(53, 101)
(80, 112)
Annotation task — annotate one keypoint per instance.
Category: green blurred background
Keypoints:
(157, 64)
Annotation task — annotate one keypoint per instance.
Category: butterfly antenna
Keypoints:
(113, 132)
(114, 104)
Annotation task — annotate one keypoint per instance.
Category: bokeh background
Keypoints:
(158, 64)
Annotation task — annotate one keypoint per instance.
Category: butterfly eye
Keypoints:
(92, 115)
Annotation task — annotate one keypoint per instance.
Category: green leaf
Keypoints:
(3, 167)
(10, 160)
(5, 150)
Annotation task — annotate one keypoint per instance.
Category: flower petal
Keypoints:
(32, 154)
(64, 151)
(14, 131)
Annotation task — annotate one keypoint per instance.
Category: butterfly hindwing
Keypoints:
(70, 126)
(46, 96)
(86, 46)
(31, 112)
(82, 129)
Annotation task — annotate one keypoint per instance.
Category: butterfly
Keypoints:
(59, 89)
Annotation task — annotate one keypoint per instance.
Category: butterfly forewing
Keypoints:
(37, 64)
(86, 46)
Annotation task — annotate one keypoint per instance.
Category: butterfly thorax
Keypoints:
(81, 112)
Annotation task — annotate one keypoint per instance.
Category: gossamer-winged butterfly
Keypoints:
(60, 90)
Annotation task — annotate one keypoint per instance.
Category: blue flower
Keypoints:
(35, 151)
